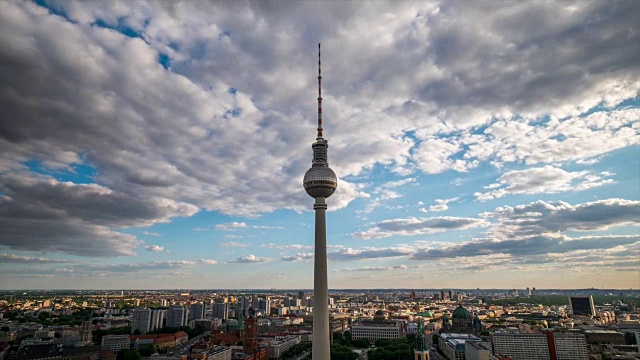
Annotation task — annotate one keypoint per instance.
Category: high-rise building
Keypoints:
(300, 294)
(221, 311)
(157, 318)
(196, 311)
(568, 345)
(141, 320)
(320, 182)
(547, 345)
(177, 316)
(260, 304)
(521, 346)
(243, 305)
(582, 305)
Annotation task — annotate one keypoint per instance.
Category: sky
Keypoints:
(162, 145)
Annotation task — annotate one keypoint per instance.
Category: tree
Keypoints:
(146, 350)
(361, 343)
(339, 352)
(128, 354)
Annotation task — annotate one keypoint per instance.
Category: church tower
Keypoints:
(421, 350)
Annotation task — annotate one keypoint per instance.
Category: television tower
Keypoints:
(320, 182)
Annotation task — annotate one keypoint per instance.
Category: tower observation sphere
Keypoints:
(320, 180)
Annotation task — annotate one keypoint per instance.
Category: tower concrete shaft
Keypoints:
(320, 345)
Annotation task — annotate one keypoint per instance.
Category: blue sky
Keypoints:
(162, 145)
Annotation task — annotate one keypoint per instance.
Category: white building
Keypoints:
(157, 318)
(115, 343)
(375, 331)
(281, 344)
(521, 346)
(477, 350)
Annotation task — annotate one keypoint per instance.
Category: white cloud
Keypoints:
(232, 244)
(207, 261)
(441, 205)
(154, 248)
(231, 226)
(298, 257)
(250, 258)
(547, 179)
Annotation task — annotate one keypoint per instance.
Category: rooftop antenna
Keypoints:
(319, 95)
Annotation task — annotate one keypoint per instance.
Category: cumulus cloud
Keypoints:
(547, 179)
(250, 258)
(298, 257)
(542, 217)
(169, 140)
(418, 226)
(154, 248)
(43, 214)
(441, 205)
(535, 245)
(207, 261)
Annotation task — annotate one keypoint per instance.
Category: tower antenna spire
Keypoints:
(319, 95)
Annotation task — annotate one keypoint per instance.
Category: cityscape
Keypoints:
(480, 198)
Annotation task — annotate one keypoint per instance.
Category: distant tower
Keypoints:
(250, 341)
(85, 331)
(320, 182)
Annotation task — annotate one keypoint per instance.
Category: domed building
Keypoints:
(380, 315)
(461, 320)
(426, 315)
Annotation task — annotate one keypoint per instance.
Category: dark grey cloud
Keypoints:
(537, 245)
(19, 259)
(349, 254)
(42, 214)
(542, 217)
(418, 226)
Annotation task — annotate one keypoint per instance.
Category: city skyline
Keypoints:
(163, 145)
